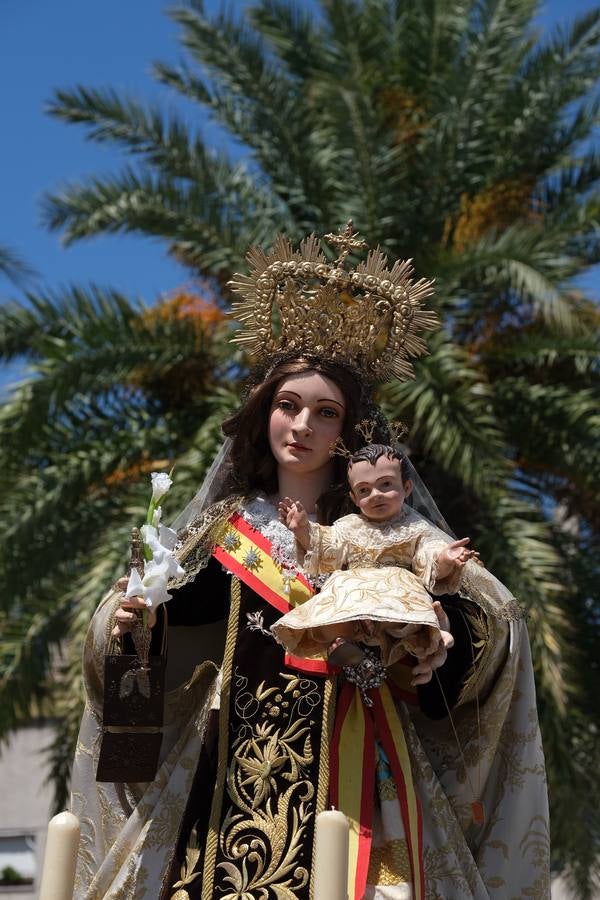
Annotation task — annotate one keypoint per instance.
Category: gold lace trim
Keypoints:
(503, 605)
(199, 537)
(215, 813)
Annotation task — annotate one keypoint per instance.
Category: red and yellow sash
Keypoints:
(247, 553)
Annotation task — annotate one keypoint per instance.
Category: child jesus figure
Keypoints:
(384, 563)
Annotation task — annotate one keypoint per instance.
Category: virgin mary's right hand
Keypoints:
(126, 619)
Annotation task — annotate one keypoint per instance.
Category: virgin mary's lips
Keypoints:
(296, 446)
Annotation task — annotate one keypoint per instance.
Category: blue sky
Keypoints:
(45, 44)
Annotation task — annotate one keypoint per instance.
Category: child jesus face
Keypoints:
(377, 489)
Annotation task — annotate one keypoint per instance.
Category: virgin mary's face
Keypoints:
(306, 417)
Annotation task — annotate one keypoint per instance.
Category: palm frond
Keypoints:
(525, 267)
(293, 33)
(542, 351)
(449, 410)
(13, 267)
(142, 130)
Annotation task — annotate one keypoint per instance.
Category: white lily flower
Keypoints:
(174, 570)
(159, 543)
(160, 485)
(149, 534)
(160, 552)
(135, 586)
(155, 584)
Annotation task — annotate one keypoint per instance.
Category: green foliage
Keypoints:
(10, 876)
(13, 267)
(451, 133)
(79, 437)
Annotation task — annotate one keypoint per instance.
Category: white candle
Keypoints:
(331, 856)
(60, 858)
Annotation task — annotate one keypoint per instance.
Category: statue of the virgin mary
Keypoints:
(441, 776)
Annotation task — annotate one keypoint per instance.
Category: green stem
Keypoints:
(149, 516)
(150, 513)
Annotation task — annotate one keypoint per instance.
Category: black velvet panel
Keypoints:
(268, 700)
(203, 600)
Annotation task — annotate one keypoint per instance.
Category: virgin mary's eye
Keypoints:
(328, 413)
(284, 404)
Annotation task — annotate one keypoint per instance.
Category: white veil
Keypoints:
(421, 500)
(210, 490)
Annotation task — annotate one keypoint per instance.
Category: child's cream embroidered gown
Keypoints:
(383, 572)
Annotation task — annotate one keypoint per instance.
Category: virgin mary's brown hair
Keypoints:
(253, 465)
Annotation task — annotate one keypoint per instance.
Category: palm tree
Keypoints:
(452, 134)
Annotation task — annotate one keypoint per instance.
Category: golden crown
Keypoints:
(296, 302)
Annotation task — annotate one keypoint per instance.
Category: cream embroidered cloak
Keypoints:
(129, 831)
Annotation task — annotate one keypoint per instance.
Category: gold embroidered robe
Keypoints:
(129, 831)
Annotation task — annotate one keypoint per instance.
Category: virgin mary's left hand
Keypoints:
(423, 671)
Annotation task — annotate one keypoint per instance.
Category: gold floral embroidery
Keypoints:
(259, 839)
(387, 790)
(134, 886)
(192, 855)
(166, 821)
(536, 847)
(412, 543)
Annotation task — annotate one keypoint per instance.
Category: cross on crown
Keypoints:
(346, 241)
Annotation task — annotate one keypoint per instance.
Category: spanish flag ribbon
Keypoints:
(352, 774)
(247, 553)
(352, 781)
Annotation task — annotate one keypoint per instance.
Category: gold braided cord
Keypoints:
(296, 302)
(329, 698)
(212, 840)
